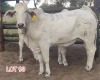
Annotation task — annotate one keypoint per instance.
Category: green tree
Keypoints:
(76, 3)
(6, 6)
(58, 6)
(52, 8)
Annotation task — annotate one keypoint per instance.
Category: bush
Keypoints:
(52, 8)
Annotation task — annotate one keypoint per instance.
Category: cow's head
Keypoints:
(22, 14)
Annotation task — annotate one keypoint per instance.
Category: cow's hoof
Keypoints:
(41, 72)
(60, 62)
(88, 68)
(20, 59)
(65, 64)
(47, 75)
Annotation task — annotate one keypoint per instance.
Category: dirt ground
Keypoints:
(76, 57)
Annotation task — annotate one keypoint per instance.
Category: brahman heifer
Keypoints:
(61, 29)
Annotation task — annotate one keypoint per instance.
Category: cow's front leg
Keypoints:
(35, 55)
(45, 54)
(40, 59)
(36, 51)
(21, 43)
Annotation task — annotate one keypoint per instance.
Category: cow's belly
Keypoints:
(68, 43)
(63, 41)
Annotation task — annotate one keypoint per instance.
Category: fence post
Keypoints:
(1, 30)
(96, 8)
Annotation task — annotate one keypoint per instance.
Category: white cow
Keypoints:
(60, 29)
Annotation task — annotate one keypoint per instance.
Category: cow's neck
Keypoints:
(31, 23)
(32, 26)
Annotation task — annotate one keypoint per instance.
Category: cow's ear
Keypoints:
(10, 13)
(32, 13)
(35, 12)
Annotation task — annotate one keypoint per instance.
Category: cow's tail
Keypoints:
(95, 41)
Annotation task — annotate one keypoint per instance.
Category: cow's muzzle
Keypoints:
(20, 25)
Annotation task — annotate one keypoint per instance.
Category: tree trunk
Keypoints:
(1, 30)
(35, 4)
(96, 9)
(17, 1)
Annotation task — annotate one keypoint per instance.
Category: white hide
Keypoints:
(60, 29)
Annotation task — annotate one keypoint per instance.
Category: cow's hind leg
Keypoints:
(62, 55)
(59, 56)
(90, 49)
